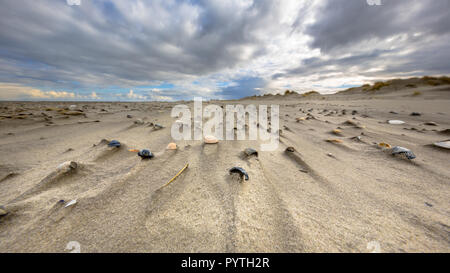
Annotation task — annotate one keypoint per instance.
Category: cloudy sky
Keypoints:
(133, 50)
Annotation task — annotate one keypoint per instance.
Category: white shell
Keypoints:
(71, 203)
(443, 144)
(65, 166)
(211, 139)
(396, 122)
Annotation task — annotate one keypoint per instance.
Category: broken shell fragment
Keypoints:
(157, 126)
(354, 124)
(145, 154)
(335, 141)
(67, 166)
(300, 119)
(240, 171)
(400, 150)
(384, 145)
(172, 146)
(3, 211)
(139, 121)
(396, 122)
(211, 139)
(250, 152)
(114, 143)
(290, 149)
(71, 203)
(443, 144)
(431, 123)
(337, 131)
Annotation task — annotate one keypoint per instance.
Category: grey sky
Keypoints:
(141, 50)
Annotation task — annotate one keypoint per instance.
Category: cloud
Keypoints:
(73, 2)
(362, 43)
(131, 95)
(130, 42)
(111, 46)
(341, 23)
(13, 91)
(10, 91)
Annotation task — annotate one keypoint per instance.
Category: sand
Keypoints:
(338, 196)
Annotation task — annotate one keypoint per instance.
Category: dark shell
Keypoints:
(290, 149)
(250, 151)
(145, 154)
(400, 150)
(114, 143)
(240, 171)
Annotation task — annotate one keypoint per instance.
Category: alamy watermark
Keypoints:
(259, 125)
(73, 2)
(374, 2)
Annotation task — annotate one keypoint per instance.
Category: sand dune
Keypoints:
(317, 197)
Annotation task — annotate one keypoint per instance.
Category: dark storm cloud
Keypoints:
(125, 42)
(343, 22)
(398, 38)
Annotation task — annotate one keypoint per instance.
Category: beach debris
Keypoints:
(353, 123)
(139, 121)
(145, 154)
(250, 152)
(443, 144)
(393, 112)
(114, 143)
(290, 149)
(129, 116)
(337, 132)
(431, 123)
(71, 203)
(403, 151)
(172, 146)
(67, 166)
(356, 138)
(384, 145)
(74, 113)
(417, 114)
(211, 139)
(73, 107)
(335, 141)
(396, 122)
(240, 171)
(157, 126)
(173, 178)
(354, 112)
(3, 211)
(428, 204)
(300, 119)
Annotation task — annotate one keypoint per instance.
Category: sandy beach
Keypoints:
(324, 196)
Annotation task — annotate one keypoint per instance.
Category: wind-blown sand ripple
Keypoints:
(323, 197)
